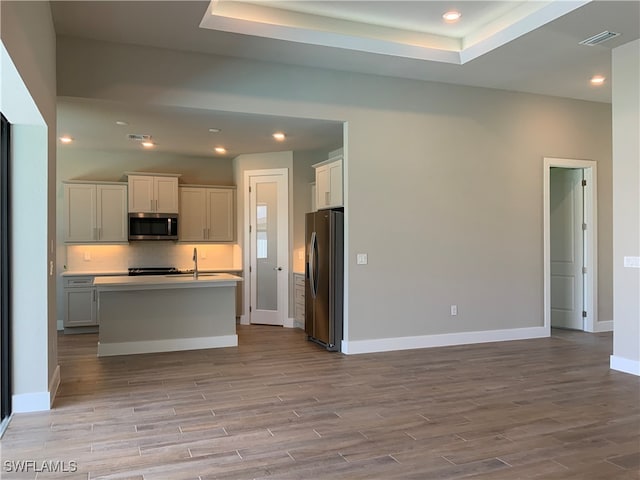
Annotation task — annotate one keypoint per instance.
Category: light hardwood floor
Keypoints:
(280, 407)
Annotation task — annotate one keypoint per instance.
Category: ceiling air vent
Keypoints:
(138, 137)
(599, 38)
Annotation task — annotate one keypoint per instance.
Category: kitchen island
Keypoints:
(162, 313)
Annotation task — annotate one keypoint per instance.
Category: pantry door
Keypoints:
(567, 247)
(269, 246)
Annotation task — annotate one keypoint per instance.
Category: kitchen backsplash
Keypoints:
(99, 258)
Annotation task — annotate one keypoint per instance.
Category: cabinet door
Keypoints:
(335, 184)
(112, 213)
(80, 306)
(192, 224)
(221, 214)
(166, 194)
(329, 185)
(141, 197)
(80, 213)
(323, 185)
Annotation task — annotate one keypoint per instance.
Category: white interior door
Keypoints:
(567, 247)
(269, 246)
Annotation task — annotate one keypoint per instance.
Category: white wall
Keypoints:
(444, 182)
(28, 100)
(626, 207)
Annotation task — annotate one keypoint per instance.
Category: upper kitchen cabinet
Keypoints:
(95, 212)
(156, 193)
(207, 214)
(329, 183)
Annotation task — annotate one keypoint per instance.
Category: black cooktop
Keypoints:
(136, 271)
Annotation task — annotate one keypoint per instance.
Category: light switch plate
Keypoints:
(632, 262)
(361, 258)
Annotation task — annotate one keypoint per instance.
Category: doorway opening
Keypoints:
(570, 245)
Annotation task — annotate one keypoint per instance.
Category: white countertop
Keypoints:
(98, 273)
(143, 282)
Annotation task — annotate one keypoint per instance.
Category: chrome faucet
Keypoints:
(195, 263)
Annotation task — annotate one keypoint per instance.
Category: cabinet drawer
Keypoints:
(299, 280)
(299, 296)
(71, 282)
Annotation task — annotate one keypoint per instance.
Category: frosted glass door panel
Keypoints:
(267, 245)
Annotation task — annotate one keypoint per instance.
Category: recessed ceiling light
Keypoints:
(220, 150)
(597, 80)
(121, 123)
(279, 136)
(148, 144)
(451, 16)
(66, 139)
(215, 130)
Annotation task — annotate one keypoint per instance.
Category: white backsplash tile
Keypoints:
(98, 258)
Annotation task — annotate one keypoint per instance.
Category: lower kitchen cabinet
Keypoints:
(298, 289)
(80, 309)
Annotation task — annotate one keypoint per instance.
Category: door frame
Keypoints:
(284, 293)
(5, 278)
(589, 168)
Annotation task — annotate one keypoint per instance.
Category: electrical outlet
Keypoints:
(87, 256)
(361, 259)
(203, 255)
(454, 310)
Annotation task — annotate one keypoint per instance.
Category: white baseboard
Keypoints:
(604, 326)
(172, 345)
(244, 319)
(37, 401)
(624, 365)
(289, 323)
(442, 340)
(31, 402)
(297, 324)
(60, 325)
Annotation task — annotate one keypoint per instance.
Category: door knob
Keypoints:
(279, 269)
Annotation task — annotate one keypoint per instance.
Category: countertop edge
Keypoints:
(115, 273)
(163, 281)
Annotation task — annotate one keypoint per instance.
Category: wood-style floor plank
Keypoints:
(280, 407)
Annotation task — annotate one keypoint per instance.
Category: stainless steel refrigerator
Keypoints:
(324, 277)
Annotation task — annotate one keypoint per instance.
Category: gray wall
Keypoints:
(78, 164)
(29, 101)
(626, 220)
(444, 183)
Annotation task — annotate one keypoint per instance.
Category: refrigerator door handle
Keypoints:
(312, 264)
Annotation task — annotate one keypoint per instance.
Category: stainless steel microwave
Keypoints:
(153, 226)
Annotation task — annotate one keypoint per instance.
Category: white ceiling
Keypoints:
(530, 46)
